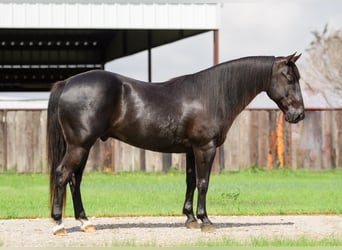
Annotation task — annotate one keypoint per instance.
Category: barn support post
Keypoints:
(3, 164)
(149, 78)
(166, 158)
(218, 163)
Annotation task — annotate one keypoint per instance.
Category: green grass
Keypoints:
(257, 242)
(249, 192)
(276, 242)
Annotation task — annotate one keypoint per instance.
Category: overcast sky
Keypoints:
(248, 27)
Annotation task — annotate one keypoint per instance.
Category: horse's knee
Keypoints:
(187, 208)
(202, 186)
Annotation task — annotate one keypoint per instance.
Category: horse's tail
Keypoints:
(56, 145)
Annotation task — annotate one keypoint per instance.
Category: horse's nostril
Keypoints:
(302, 116)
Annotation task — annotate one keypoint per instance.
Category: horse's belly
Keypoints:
(155, 141)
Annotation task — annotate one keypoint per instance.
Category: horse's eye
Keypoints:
(288, 76)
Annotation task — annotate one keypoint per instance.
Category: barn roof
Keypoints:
(42, 42)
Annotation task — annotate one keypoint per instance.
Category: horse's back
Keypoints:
(93, 79)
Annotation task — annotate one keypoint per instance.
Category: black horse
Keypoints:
(189, 114)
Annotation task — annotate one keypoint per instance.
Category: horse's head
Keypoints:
(284, 88)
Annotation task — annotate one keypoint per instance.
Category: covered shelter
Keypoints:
(42, 42)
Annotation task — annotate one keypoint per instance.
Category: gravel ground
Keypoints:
(166, 231)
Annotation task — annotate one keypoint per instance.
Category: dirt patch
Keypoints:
(166, 231)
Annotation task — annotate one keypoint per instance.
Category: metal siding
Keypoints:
(174, 15)
(162, 15)
(198, 19)
(136, 15)
(123, 17)
(187, 15)
(97, 15)
(149, 15)
(109, 15)
(58, 13)
(82, 13)
(6, 15)
(45, 15)
(19, 16)
(32, 17)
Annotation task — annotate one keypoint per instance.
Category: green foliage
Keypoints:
(252, 191)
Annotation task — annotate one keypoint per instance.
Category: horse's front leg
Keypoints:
(204, 157)
(191, 221)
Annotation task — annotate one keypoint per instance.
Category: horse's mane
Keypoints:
(236, 82)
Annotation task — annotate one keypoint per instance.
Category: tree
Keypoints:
(322, 74)
(325, 58)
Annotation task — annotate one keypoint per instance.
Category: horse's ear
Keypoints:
(286, 59)
(295, 58)
(291, 58)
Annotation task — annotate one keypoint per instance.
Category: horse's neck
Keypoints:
(229, 87)
(245, 83)
(249, 90)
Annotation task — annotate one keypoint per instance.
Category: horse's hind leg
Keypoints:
(75, 183)
(73, 161)
(57, 207)
(62, 176)
(191, 221)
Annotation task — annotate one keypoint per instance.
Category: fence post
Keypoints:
(167, 162)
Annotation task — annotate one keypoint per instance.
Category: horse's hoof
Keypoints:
(88, 228)
(59, 230)
(192, 224)
(207, 228)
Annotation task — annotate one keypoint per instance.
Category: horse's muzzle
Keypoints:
(294, 117)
